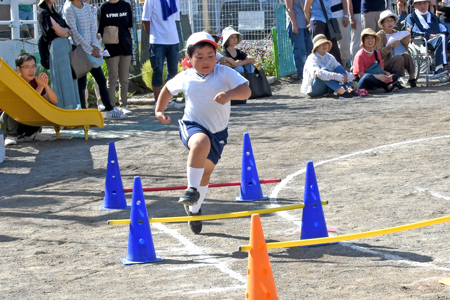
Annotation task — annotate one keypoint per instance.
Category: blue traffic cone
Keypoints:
(114, 194)
(250, 186)
(313, 219)
(140, 242)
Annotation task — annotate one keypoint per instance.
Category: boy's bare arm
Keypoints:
(241, 92)
(163, 100)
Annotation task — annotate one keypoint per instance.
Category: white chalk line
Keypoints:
(432, 193)
(289, 217)
(192, 249)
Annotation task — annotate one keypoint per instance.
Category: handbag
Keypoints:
(375, 68)
(110, 35)
(95, 61)
(332, 25)
(79, 62)
(258, 84)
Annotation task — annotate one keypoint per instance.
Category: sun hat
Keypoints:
(198, 37)
(415, 1)
(229, 31)
(387, 14)
(319, 40)
(369, 31)
(212, 33)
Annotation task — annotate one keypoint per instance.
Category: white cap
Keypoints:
(198, 37)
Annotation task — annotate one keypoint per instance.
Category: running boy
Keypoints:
(208, 89)
(26, 67)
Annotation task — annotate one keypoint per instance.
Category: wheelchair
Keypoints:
(424, 62)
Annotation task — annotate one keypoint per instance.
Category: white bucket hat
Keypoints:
(416, 1)
(229, 31)
(387, 14)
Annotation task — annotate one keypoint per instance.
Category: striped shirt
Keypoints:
(86, 36)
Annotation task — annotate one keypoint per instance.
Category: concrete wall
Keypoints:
(10, 49)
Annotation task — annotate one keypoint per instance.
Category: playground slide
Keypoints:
(21, 102)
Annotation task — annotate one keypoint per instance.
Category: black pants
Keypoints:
(319, 27)
(99, 77)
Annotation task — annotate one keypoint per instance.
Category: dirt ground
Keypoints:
(380, 161)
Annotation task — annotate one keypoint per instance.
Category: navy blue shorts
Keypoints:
(218, 140)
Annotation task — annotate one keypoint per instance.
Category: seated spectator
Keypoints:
(241, 61)
(15, 131)
(395, 55)
(443, 12)
(323, 74)
(368, 57)
(425, 24)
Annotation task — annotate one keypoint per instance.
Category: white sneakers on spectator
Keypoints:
(10, 140)
(101, 107)
(125, 110)
(174, 103)
(115, 114)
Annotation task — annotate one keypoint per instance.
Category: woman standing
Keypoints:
(314, 14)
(84, 33)
(54, 48)
(115, 21)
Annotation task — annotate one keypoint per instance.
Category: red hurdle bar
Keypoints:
(183, 187)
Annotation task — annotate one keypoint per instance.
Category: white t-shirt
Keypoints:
(161, 32)
(200, 91)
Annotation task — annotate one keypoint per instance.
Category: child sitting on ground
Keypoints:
(240, 60)
(26, 67)
(208, 88)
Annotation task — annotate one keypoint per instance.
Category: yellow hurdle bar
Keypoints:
(354, 236)
(215, 217)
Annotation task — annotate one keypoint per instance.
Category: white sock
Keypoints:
(439, 67)
(202, 190)
(194, 176)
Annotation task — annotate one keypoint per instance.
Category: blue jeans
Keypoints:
(249, 68)
(301, 48)
(368, 81)
(321, 87)
(439, 45)
(158, 53)
(99, 77)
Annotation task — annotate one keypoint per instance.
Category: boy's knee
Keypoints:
(199, 141)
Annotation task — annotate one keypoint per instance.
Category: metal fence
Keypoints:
(253, 18)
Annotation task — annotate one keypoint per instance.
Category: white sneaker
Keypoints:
(10, 140)
(115, 114)
(101, 107)
(37, 136)
(125, 110)
(174, 103)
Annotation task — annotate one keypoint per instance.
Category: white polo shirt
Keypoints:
(200, 90)
(161, 32)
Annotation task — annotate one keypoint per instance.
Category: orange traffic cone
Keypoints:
(260, 282)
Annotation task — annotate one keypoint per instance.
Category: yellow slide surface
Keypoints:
(21, 102)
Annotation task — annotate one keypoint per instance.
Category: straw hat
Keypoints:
(369, 31)
(387, 14)
(319, 40)
(198, 37)
(229, 31)
(212, 33)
